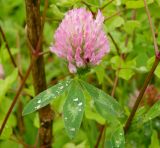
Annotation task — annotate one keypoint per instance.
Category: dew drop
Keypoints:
(117, 142)
(61, 87)
(39, 101)
(121, 134)
(76, 99)
(65, 118)
(80, 104)
(72, 129)
(37, 107)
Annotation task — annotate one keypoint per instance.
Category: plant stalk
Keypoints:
(34, 34)
(15, 99)
(142, 91)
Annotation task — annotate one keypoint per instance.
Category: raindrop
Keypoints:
(39, 101)
(121, 134)
(117, 142)
(37, 107)
(65, 118)
(79, 104)
(76, 99)
(61, 87)
(72, 129)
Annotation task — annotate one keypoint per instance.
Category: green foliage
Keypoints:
(153, 112)
(136, 4)
(7, 83)
(73, 109)
(154, 140)
(133, 40)
(115, 137)
(106, 105)
(46, 96)
(125, 69)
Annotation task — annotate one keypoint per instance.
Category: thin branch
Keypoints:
(135, 107)
(115, 85)
(152, 28)
(9, 51)
(149, 76)
(115, 14)
(106, 5)
(115, 44)
(88, 6)
(100, 136)
(43, 53)
(15, 98)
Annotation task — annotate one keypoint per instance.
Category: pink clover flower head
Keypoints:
(80, 39)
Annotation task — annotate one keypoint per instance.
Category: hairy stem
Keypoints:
(142, 91)
(34, 32)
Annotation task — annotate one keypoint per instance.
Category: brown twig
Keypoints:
(9, 51)
(114, 85)
(44, 52)
(106, 5)
(149, 76)
(100, 136)
(115, 14)
(151, 27)
(15, 98)
(115, 44)
(88, 6)
(135, 107)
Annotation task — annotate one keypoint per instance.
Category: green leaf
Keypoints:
(131, 25)
(115, 137)
(46, 96)
(92, 115)
(154, 140)
(100, 73)
(153, 112)
(56, 12)
(92, 3)
(126, 67)
(67, 3)
(138, 118)
(73, 109)
(134, 4)
(6, 133)
(106, 105)
(114, 23)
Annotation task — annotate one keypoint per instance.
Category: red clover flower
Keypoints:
(80, 39)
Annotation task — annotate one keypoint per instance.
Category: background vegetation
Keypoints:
(121, 74)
